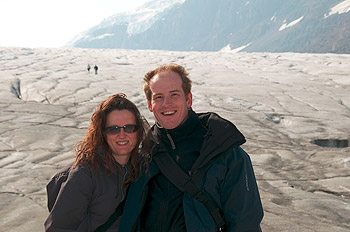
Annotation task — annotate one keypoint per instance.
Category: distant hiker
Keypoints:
(96, 68)
(88, 68)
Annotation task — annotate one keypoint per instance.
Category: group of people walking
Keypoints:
(89, 68)
(187, 172)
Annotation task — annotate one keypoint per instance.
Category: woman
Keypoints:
(107, 160)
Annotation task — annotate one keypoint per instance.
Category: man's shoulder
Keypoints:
(221, 129)
(212, 118)
(234, 154)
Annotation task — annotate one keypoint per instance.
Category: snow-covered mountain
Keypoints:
(315, 26)
(132, 22)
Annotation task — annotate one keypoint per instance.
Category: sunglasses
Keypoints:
(114, 130)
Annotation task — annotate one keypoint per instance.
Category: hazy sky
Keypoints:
(53, 23)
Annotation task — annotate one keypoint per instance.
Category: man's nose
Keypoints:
(167, 101)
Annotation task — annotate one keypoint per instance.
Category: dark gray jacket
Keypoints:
(86, 200)
(230, 181)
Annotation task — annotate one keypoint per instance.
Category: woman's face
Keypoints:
(119, 140)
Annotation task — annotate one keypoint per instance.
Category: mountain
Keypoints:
(312, 26)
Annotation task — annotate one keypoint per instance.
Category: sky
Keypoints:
(53, 23)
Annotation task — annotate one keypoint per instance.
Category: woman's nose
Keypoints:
(122, 132)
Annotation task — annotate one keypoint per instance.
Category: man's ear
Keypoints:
(189, 100)
(149, 104)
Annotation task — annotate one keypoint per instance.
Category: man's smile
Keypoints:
(169, 113)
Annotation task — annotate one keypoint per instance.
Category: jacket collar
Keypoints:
(221, 135)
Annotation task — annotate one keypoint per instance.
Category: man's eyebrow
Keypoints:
(171, 91)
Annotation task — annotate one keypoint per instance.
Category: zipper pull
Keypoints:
(171, 140)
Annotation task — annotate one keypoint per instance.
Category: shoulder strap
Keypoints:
(185, 183)
(117, 213)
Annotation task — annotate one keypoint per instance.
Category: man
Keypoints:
(192, 140)
(96, 68)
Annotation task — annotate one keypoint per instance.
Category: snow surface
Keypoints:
(291, 24)
(149, 14)
(341, 8)
(234, 50)
(143, 17)
(104, 36)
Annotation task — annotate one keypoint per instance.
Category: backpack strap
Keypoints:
(185, 183)
(117, 213)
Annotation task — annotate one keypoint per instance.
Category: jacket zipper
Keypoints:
(123, 179)
(174, 147)
(171, 140)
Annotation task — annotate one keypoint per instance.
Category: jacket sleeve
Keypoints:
(240, 197)
(70, 211)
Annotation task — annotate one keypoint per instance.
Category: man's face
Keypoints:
(169, 103)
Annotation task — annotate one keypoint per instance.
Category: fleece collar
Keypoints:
(221, 135)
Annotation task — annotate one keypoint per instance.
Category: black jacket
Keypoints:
(230, 181)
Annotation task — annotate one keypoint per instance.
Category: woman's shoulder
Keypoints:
(69, 171)
(81, 170)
